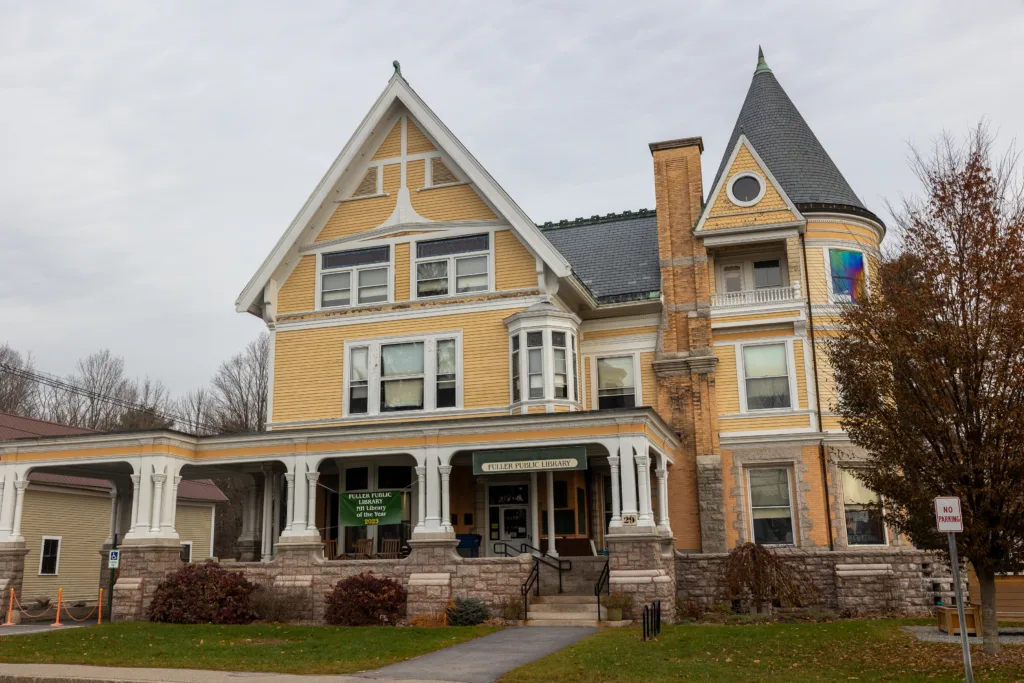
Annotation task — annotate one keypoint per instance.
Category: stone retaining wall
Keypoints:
(894, 581)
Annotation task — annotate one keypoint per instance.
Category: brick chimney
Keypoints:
(684, 361)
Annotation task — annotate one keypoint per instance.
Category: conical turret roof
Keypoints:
(790, 148)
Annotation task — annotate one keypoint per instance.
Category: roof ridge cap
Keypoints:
(596, 219)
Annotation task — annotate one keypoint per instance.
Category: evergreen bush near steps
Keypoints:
(203, 594)
(365, 600)
(467, 612)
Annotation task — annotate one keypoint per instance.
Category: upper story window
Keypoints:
(402, 375)
(756, 273)
(561, 374)
(847, 276)
(865, 515)
(746, 188)
(361, 276)
(766, 376)
(535, 363)
(616, 384)
(546, 359)
(457, 265)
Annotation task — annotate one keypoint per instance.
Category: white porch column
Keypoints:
(275, 513)
(311, 479)
(297, 501)
(114, 500)
(552, 551)
(628, 472)
(268, 494)
(170, 514)
(19, 504)
(8, 476)
(421, 497)
(289, 520)
(136, 479)
(616, 520)
(663, 522)
(643, 476)
(534, 511)
(446, 502)
(2, 485)
(247, 513)
(158, 493)
(432, 521)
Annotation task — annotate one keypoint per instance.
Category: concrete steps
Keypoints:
(565, 610)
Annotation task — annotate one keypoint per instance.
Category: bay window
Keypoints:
(535, 358)
(385, 376)
(515, 369)
(354, 277)
(543, 365)
(771, 514)
(616, 386)
(766, 377)
(456, 265)
(865, 519)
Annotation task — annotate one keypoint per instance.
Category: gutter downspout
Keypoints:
(817, 400)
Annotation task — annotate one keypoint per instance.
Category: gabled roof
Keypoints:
(789, 148)
(615, 256)
(19, 427)
(398, 90)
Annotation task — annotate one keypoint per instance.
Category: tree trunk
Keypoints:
(990, 626)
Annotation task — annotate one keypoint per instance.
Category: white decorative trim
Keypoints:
(860, 221)
(620, 323)
(190, 548)
(725, 237)
(645, 343)
(353, 282)
(380, 234)
(442, 186)
(762, 183)
(451, 259)
(364, 196)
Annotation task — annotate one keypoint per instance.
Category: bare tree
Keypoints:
(930, 368)
(152, 401)
(17, 393)
(240, 386)
(197, 412)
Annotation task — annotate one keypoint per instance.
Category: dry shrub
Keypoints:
(279, 604)
(365, 600)
(755, 573)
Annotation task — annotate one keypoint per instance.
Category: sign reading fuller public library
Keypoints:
(370, 509)
(518, 460)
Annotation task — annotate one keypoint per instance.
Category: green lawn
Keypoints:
(859, 650)
(283, 649)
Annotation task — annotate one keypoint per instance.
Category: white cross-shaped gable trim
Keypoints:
(398, 89)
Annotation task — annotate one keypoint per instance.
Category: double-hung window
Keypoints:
(865, 518)
(616, 386)
(535, 360)
(49, 556)
(355, 277)
(515, 370)
(847, 275)
(402, 375)
(561, 367)
(770, 509)
(766, 377)
(457, 265)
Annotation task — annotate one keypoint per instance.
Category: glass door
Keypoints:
(515, 526)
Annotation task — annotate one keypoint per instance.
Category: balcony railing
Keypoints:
(756, 297)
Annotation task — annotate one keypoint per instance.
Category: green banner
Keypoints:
(546, 459)
(370, 509)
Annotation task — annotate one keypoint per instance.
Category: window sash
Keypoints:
(767, 274)
(419, 374)
(359, 389)
(49, 557)
(863, 511)
(466, 266)
(372, 284)
(771, 512)
(445, 382)
(766, 376)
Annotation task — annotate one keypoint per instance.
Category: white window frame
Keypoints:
(451, 258)
(834, 298)
(746, 262)
(354, 278)
(746, 174)
(595, 381)
(429, 374)
(42, 547)
(741, 377)
(881, 498)
(547, 366)
(190, 548)
(792, 510)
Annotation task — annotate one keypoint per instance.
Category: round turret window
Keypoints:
(746, 189)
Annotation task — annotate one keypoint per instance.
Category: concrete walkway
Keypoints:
(478, 661)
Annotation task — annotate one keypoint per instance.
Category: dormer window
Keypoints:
(355, 277)
(457, 265)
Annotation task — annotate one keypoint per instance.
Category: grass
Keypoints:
(862, 650)
(282, 649)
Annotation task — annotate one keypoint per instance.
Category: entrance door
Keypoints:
(508, 517)
(515, 525)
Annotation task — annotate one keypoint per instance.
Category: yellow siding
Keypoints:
(606, 334)
(801, 374)
(83, 522)
(561, 409)
(794, 257)
(451, 203)
(754, 317)
(536, 409)
(587, 404)
(415, 172)
(392, 145)
(726, 382)
(771, 209)
(841, 231)
(415, 141)
(753, 334)
(514, 266)
(742, 424)
(193, 524)
(826, 381)
(647, 379)
(308, 372)
(364, 214)
(816, 282)
(830, 423)
(402, 291)
(299, 291)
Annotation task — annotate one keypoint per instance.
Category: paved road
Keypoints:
(485, 659)
(23, 629)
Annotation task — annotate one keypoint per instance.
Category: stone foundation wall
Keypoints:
(894, 581)
(12, 570)
(142, 569)
(642, 568)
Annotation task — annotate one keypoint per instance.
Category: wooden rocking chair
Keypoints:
(364, 546)
(330, 549)
(389, 549)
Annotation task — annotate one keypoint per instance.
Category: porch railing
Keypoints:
(603, 585)
(756, 297)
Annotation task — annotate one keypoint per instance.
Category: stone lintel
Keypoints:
(685, 365)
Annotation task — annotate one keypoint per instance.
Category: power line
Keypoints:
(57, 383)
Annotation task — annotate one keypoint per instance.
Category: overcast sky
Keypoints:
(151, 153)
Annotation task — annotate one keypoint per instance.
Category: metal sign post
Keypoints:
(949, 519)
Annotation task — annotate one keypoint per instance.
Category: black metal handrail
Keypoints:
(533, 579)
(553, 562)
(603, 585)
(505, 550)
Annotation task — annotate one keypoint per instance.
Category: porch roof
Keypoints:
(362, 439)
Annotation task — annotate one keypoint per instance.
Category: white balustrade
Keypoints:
(755, 297)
